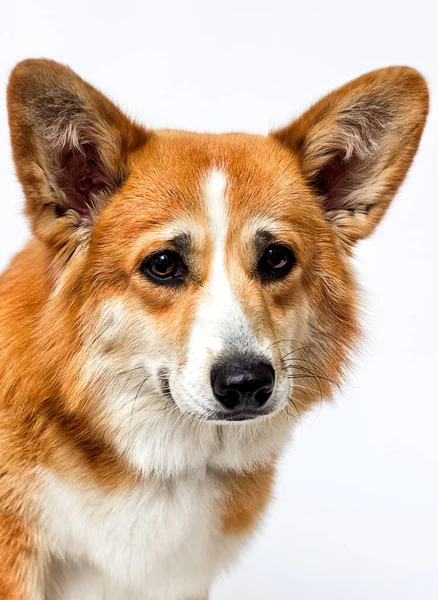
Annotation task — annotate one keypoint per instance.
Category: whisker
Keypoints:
(312, 368)
(140, 387)
(309, 374)
(290, 401)
(307, 347)
(303, 360)
(101, 334)
(305, 390)
(326, 335)
(131, 370)
(283, 342)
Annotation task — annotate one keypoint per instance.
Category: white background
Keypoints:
(355, 515)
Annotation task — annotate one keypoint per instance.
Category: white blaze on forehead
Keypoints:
(220, 327)
(217, 206)
(219, 298)
(220, 312)
(221, 316)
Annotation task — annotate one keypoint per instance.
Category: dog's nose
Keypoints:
(242, 384)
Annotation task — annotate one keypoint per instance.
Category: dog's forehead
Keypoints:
(187, 176)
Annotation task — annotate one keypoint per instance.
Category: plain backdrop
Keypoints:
(356, 503)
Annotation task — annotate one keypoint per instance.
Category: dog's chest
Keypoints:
(158, 540)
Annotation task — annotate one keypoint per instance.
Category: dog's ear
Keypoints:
(356, 145)
(72, 147)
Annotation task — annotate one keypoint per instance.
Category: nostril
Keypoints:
(262, 396)
(230, 398)
(242, 383)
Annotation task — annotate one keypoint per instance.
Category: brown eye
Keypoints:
(164, 267)
(276, 262)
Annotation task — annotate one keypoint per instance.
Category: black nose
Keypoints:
(242, 384)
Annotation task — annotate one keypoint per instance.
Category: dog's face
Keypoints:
(209, 256)
(208, 274)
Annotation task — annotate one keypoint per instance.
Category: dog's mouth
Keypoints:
(239, 416)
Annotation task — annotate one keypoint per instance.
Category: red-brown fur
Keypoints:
(47, 418)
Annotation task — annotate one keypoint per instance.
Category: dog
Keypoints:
(183, 299)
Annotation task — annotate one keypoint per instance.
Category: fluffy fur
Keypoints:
(116, 479)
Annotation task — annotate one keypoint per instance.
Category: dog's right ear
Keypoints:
(72, 147)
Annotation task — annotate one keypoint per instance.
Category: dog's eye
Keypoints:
(164, 267)
(276, 262)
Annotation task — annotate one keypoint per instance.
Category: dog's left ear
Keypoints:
(356, 144)
(71, 145)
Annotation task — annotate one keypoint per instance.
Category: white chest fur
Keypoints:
(157, 542)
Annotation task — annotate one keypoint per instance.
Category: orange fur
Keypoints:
(248, 496)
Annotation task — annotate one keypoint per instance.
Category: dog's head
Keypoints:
(207, 274)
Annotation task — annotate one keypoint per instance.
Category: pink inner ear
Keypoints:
(81, 178)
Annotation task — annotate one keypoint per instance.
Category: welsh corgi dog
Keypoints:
(183, 299)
